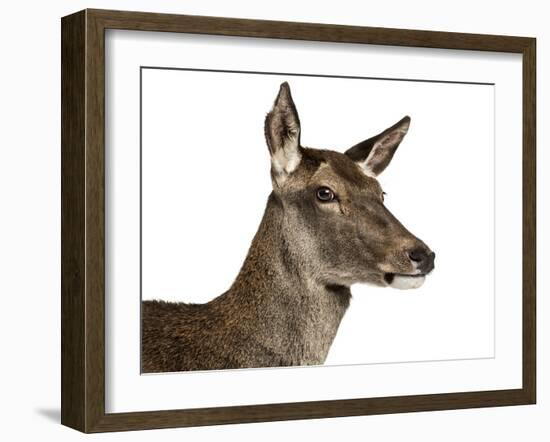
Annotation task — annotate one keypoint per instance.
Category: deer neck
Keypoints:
(289, 313)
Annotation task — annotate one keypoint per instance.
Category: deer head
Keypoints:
(335, 223)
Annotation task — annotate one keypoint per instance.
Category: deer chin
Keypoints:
(404, 282)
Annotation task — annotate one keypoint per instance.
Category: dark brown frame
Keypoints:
(83, 215)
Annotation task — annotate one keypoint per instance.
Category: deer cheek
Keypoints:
(344, 209)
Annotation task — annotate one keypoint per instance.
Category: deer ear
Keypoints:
(282, 133)
(374, 154)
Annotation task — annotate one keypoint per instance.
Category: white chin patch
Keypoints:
(404, 282)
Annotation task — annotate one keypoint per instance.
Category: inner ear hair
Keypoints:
(282, 133)
(375, 153)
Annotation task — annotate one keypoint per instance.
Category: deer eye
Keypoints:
(325, 195)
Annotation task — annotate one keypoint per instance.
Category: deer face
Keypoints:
(334, 218)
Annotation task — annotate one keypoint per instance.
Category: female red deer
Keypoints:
(325, 228)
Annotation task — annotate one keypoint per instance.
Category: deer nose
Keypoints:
(423, 258)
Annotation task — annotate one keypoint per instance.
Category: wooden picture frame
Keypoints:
(83, 220)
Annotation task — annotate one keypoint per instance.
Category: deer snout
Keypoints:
(423, 259)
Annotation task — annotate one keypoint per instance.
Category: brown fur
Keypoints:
(287, 302)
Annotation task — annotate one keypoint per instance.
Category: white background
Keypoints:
(450, 320)
(30, 234)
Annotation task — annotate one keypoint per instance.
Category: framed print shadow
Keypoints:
(269, 220)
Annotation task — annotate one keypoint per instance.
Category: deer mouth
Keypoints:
(403, 281)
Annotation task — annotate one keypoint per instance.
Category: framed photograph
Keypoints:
(269, 220)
